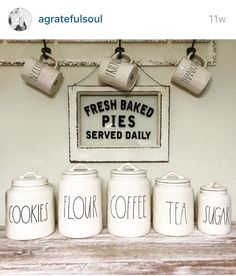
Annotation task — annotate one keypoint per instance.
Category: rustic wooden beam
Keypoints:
(197, 253)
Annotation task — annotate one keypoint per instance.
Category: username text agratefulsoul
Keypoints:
(61, 19)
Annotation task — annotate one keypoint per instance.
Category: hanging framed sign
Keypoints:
(107, 125)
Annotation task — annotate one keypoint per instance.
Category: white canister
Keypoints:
(214, 211)
(129, 195)
(173, 205)
(80, 203)
(30, 208)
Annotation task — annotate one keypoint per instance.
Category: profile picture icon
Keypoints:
(19, 19)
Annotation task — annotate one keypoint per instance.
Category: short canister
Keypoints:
(80, 203)
(214, 210)
(30, 208)
(128, 196)
(173, 205)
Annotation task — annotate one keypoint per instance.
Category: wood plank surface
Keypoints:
(197, 253)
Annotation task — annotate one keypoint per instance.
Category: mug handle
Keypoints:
(200, 58)
(126, 56)
(50, 57)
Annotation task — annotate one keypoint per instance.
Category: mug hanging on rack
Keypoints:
(39, 74)
(121, 73)
(192, 75)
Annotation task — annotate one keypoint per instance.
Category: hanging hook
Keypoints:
(191, 50)
(45, 49)
(119, 49)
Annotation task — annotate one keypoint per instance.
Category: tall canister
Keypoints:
(173, 205)
(214, 210)
(128, 195)
(80, 203)
(30, 208)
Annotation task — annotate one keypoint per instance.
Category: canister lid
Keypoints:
(173, 178)
(213, 187)
(29, 179)
(128, 169)
(80, 169)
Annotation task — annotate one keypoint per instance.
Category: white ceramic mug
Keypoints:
(119, 73)
(42, 76)
(192, 76)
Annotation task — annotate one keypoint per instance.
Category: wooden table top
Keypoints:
(197, 253)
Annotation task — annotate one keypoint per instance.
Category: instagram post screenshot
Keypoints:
(117, 141)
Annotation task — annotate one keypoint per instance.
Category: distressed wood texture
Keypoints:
(90, 52)
(105, 254)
